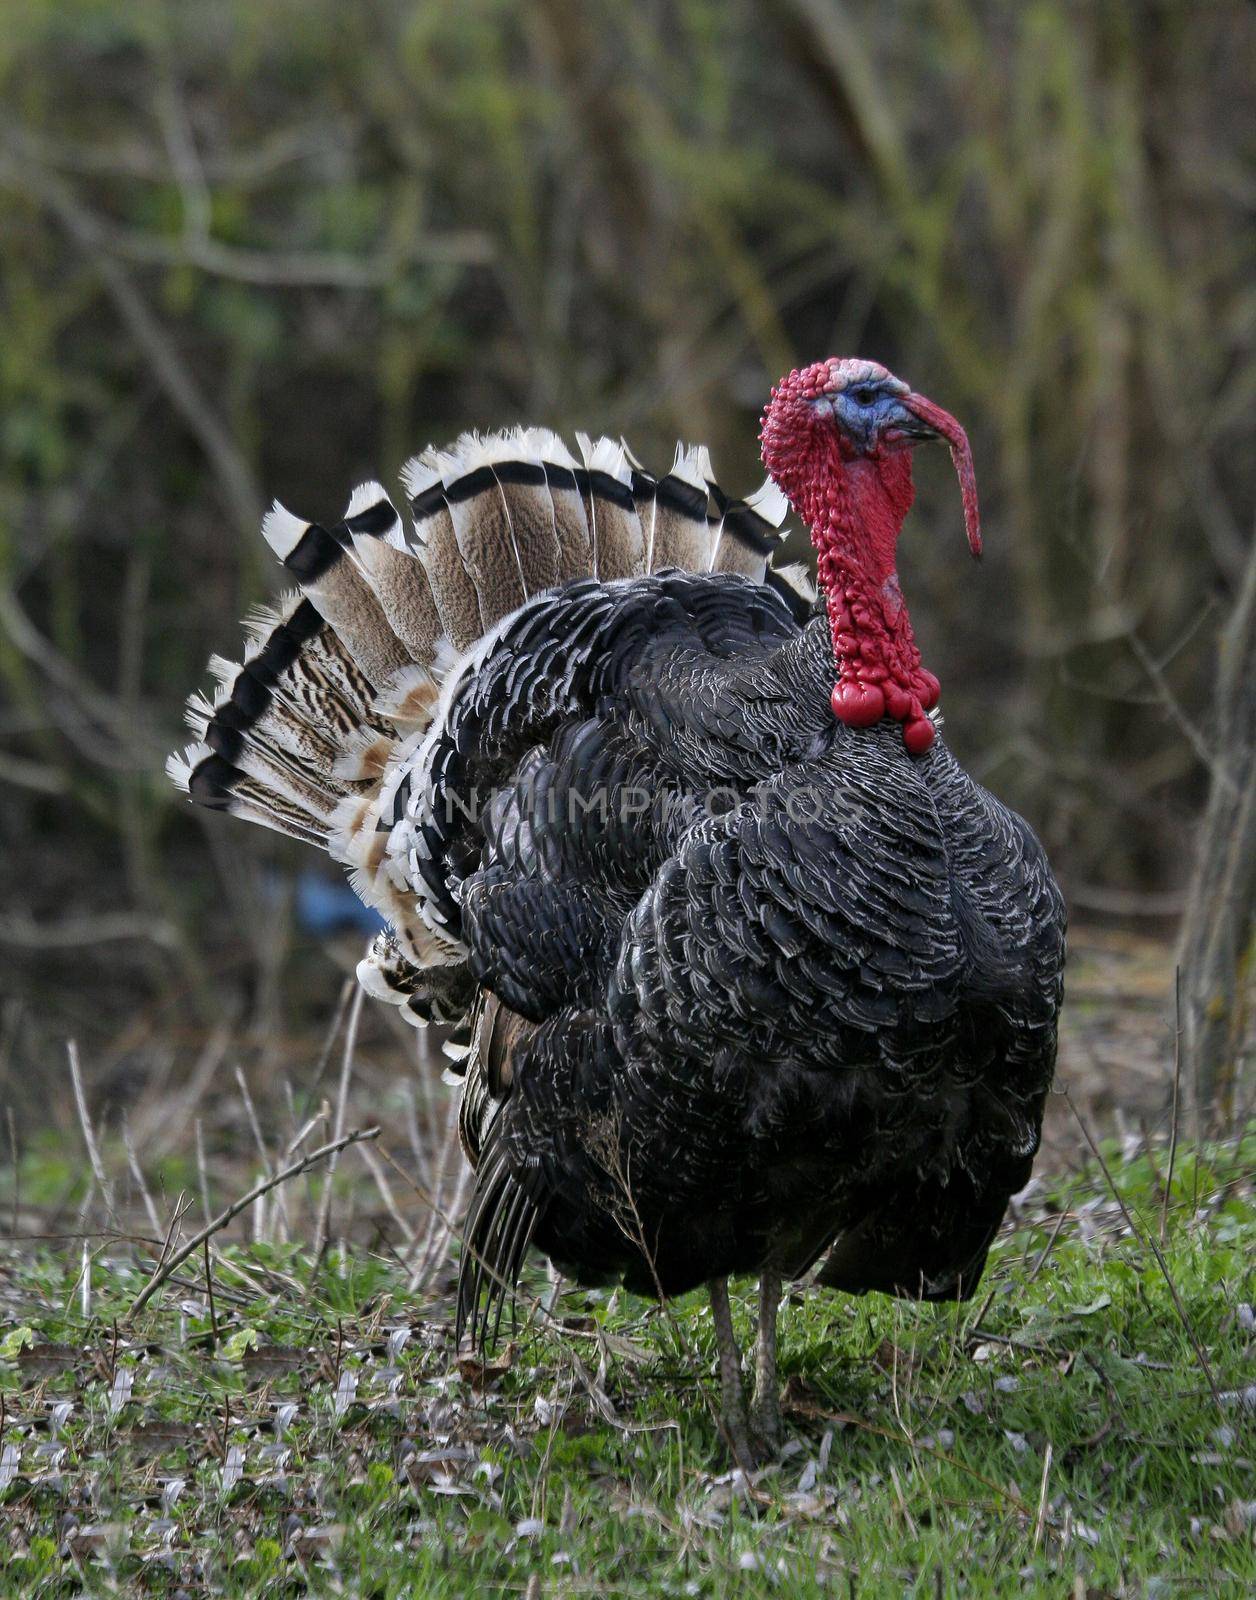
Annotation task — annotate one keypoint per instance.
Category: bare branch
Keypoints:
(39, 651)
(184, 160)
(235, 475)
(292, 269)
(33, 775)
(241, 169)
(76, 933)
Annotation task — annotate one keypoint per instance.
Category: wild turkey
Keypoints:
(751, 975)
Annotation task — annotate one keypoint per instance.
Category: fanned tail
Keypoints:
(311, 731)
(267, 740)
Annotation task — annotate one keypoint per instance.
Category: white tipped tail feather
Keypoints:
(313, 732)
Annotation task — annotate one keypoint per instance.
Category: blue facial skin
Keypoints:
(864, 412)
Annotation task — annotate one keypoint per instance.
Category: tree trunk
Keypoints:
(1218, 942)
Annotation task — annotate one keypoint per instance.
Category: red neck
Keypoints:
(843, 458)
(855, 509)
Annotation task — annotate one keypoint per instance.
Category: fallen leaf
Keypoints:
(265, 1361)
(40, 1358)
(479, 1372)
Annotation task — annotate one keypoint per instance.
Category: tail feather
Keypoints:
(209, 780)
(364, 758)
(645, 500)
(571, 519)
(317, 558)
(297, 657)
(306, 783)
(520, 466)
(313, 731)
(483, 530)
(393, 571)
(269, 740)
(749, 530)
(249, 725)
(682, 532)
(453, 588)
(796, 587)
(499, 502)
(570, 522)
(410, 699)
(614, 526)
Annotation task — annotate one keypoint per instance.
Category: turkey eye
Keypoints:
(865, 396)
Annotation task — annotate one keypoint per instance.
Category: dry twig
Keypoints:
(242, 1204)
(85, 1122)
(342, 1098)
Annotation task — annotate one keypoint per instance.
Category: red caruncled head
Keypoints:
(837, 436)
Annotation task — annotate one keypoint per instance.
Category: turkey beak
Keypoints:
(934, 423)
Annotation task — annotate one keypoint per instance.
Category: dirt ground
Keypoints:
(1117, 1037)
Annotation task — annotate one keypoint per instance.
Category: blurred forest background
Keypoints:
(256, 248)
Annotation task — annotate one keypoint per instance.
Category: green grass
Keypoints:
(318, 1435)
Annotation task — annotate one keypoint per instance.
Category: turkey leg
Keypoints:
(765, 1410)
(733, 1412)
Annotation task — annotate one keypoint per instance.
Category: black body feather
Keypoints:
(744, 989)
(794, 990)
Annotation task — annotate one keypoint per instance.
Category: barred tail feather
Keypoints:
(452, 586)
(645, 500)
(682, 531)
(796, 587)
(206, 778)
(394, 572)
(618, 546)
(749, 531)
(318, 559)
(567, 504)
(280, 714)
(313, 730)
(503, 521)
